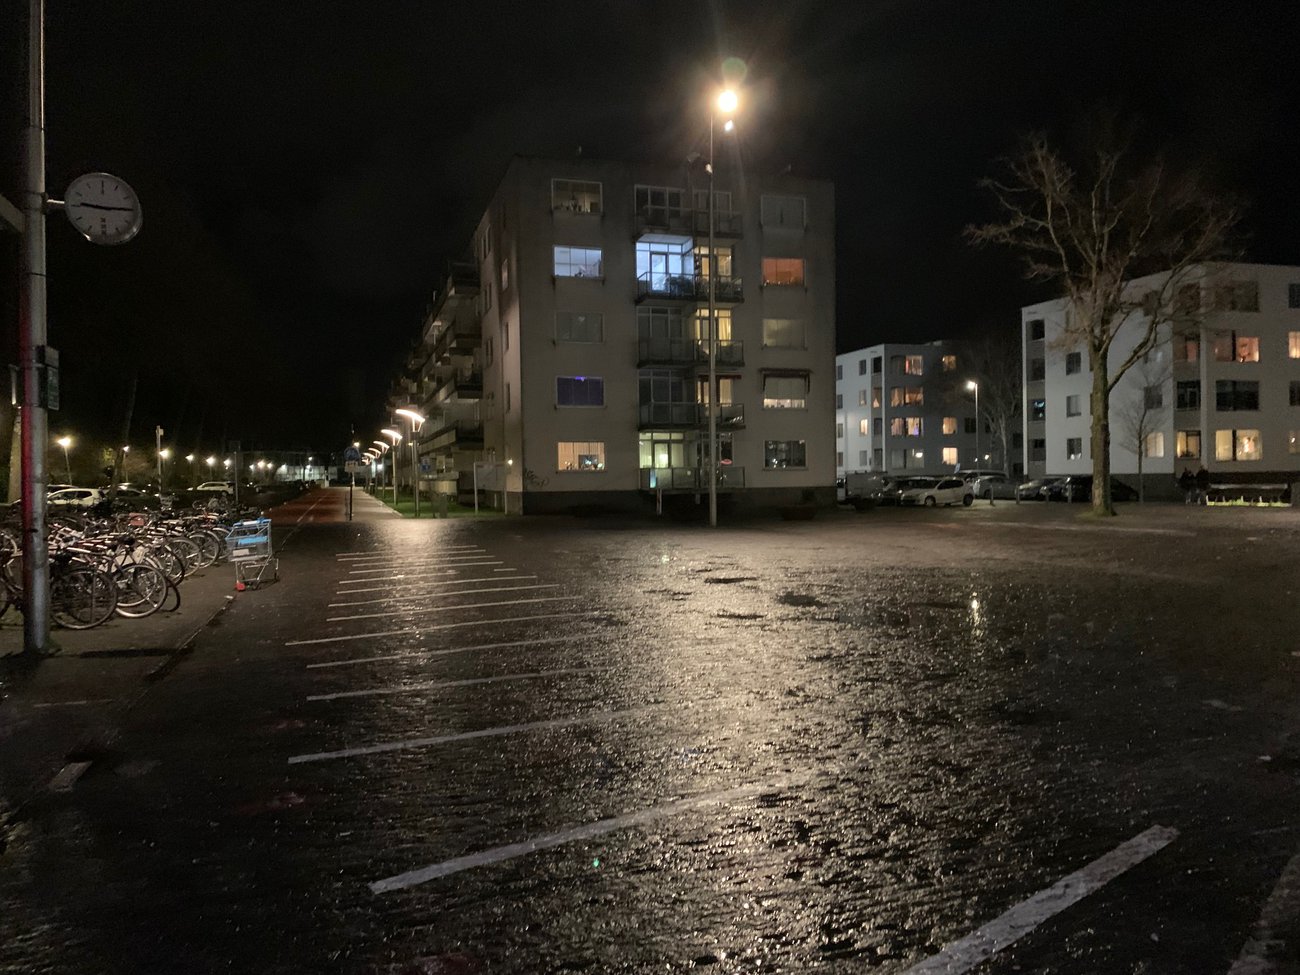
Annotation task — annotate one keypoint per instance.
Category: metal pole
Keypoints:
(157, 446)
(977, 424)
(415, 473)
(67, 464)
(713, 353)
(32, 338)
(475, 469)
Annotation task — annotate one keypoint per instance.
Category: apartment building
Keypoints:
(907, 409)
(1221, 391)
(566, 364)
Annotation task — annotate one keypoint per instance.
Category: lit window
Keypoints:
(575, 196)
(580, 455)
(783, 270)
(896, 396)
(1237, 445)
(1293, 442)
(785, 393)
(779, 454)
(1293, 344)
(950, 456)
(862, 426)
(578, 262)
(579, 391)
(572, 326)
(783, 333)
(1074, 448)
(913, 365)
(949, 424)
(1189, 444)
(1229, 347)
(1153, 444)
(1247, 349)
(913, 395)
(897, 428)
(915, 426)
(949, 363)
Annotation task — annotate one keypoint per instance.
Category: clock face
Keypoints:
(103, 208)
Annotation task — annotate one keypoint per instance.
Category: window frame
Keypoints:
(774, 271)
(570, 250)
(573, 187)
(598, 383)
(559, 456)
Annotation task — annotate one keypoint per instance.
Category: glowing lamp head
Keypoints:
(727, 101)
(972, 384)
(728, 125)
(64, 442)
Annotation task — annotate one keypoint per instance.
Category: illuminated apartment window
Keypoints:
(896, 396)
(785, 392)
(949, 424)
(915, 426)
(949, 363)
(897, 428)
(950, 456)
(1188, 444)
(575, 196)
(1293, 442)
(1231, 347)
(1153, 444)
(862, 426)
(1237, 445)
(580, 455)
(1293, 344)
(783, 271)
(578, 262)
(913, 396)
(913, 365)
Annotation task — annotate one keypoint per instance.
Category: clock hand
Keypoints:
(100, 206)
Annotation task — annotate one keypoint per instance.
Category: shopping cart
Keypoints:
(249, 547)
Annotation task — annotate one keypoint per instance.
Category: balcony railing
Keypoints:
(661, 219)
(671, 352)
(730, 352)
(726, 223)
(730, 477)
(731, 416)
(457, 433)
(688, 287)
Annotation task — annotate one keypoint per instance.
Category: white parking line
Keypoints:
(425, 589)
(587, 831)
(982, 944)
(1259, 955)
(416, 630)
(497, 732)
(420, 564)
(1126, 530)
(434, 685)
(449, 609)
(390, 555)
(446, 652)
(390, 588)
(416, 575)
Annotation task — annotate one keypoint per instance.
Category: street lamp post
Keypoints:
(396, 437)
(65, 443)
(726, 103)
(973, 385)
(414, 421)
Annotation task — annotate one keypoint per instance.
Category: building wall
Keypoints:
(522, 357)
(1276, 420)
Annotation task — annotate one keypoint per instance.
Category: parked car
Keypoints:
(1078, 487)
(77, 497)
(948, 490)
(892, 488)
(217, 487)
(58, 487)
(1036, 489)
(992, 486)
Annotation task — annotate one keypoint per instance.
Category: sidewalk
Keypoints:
(63, 708)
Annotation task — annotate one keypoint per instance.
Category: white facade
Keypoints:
(1223, 394)
(906, 409)
(589, 338)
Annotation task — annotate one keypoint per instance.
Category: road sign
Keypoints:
(351, 455)
(351, 466)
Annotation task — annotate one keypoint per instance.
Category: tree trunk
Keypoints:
(1142, 489)
(1101, 436)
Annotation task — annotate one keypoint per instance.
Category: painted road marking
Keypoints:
(391, 588)
(449, 609)
(67, 777)
(74, 704)
(587, 831)
(434, 685)
(1090, 528)
(443, 653)
(382, 565)
(425, 590)
(982, 944)
(389, 554)
(415, 630)
(1259, 955)
(446, 570)
(497, 732)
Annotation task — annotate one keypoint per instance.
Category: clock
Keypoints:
(103, 208)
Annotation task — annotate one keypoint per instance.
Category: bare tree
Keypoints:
(1093, 232)
(1143, 414)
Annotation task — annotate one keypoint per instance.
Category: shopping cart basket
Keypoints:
(249, 547)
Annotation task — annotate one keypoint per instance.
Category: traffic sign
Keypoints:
(351, 455)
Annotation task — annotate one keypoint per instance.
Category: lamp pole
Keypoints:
(396, 437)
(972, 384)
(65, 443)
(727, 102)
(414, 420)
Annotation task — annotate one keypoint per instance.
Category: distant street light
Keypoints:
(396, 437)
(972, 384)
(414, 420)
(211, 463)
(727, 102)
(66, 442)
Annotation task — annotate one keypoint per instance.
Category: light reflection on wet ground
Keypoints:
(968, 711)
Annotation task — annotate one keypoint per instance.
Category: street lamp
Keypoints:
(727, 102)
(414, 421)
(66, 442)
(396, 438)
(973, 385)
(211, 461)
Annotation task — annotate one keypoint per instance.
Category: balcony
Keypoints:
(726, 224)
(463, 384)
(661, 220)
(730, 353)
(730, 477)
(693, 288)
(666, 352)
(458, 434)
(457, 338)
(661, 416)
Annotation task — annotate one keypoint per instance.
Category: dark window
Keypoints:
(1073, 362)
(1038, 409)
(875, 364)
(1293, 295)
(1037, 369)
(1232, 395)
(839, 401)
(1188, 394)
(970, 424)
(1074, 448)
(1036, 329)
(1153, 397)
(862, 367)
(1017, 440)
(1295, 393)
(1237, 296)
(877, 426)
(579, 391)
(784, 453)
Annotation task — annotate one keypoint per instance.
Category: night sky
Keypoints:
(307, 169)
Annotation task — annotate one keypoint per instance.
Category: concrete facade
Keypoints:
(1222, 392)
(579, 336)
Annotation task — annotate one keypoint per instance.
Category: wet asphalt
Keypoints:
(558, 745)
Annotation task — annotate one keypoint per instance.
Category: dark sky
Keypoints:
(307, 169)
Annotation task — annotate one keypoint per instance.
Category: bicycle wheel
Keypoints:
(81, 597)
(209, 547)
(141, 590)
